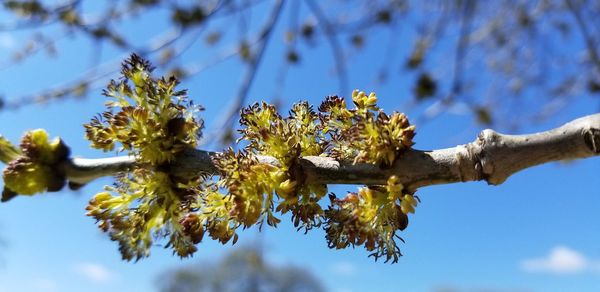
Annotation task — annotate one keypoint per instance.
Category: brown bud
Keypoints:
(401, 219)
(192, 227)
(7, 195)
(175, 126)
(55, 182)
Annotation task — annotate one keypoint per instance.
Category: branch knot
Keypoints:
(487, 139)
(592, 139)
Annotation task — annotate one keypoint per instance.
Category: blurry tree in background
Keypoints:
(244, 269)
(490, 58)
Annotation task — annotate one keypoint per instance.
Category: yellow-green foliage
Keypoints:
(365, 133)
(8, 151)
(146, 116)
(151, 120)
(160, 204)
(371, 218)
(31, 169)
(362, 134)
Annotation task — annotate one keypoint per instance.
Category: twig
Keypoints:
(228, 117)
(461, 47)
(589, 40)
(36, 23)
(95, 75)
(492, 157)
(338, 55)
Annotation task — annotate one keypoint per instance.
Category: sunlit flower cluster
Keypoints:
(153, 121)
(149, 119)
(287, 139)
(371, 218)
(366, 133)
(32, 169)
(145, 204)
(146, 116)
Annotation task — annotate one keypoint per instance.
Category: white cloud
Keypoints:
(561, 260)
(94, 272)
(44, 285)
(344, 269)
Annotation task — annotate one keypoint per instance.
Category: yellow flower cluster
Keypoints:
(250, 186)
(365, 133)
(161, 207)
(148, 118)
(32, 169)
(151, 120)
(286, 139)
(8, 151)
(371, 218)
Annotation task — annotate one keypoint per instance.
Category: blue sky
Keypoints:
(538, 231)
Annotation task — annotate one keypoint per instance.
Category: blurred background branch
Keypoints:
(453, 66)
(505, 56)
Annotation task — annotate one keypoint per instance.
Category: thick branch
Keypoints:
(492, 157)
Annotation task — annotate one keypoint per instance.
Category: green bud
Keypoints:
(8, 151)
(26, 177)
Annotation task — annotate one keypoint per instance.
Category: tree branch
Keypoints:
(587, 36)
(226, 122)
(336, 48)
(492, 157)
